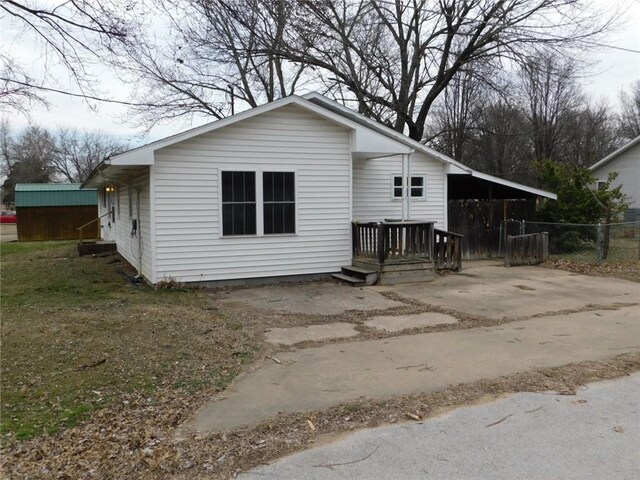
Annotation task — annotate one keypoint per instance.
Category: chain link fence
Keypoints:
(589, 243)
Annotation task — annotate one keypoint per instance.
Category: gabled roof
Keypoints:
(383, 129)
(320, 105)
(238, 117)
(143, 155)
(454, 166)
(615, 154)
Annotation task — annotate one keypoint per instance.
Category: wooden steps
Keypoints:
(357, 276)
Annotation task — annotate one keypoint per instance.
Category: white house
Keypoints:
(269, 192)
(626, 163)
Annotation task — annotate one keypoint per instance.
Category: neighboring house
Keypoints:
(54, 211)
(273, 192)
(626, 162)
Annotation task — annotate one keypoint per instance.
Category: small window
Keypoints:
(238, 203)
(417, 186)
(602, 186)
(279, 202)
(397, 187)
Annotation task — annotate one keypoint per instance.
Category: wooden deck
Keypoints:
(401, 252)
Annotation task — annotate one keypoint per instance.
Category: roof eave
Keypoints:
(95, 173)
(613, 155)
(518, 186)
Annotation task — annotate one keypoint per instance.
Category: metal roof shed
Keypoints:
(53, 211)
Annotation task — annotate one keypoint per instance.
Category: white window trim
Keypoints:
(259, 201)
(423, 198)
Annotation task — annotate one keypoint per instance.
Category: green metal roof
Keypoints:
(54, 195)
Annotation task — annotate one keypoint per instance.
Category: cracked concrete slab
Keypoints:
(324, 376)
(310, 298)
(397, 323)
(496, 292)
(325, 331)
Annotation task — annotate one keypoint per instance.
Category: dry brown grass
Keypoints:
(98, 374)
(78, 336)
(138, 440)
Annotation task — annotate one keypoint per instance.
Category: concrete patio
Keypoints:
(541, 318)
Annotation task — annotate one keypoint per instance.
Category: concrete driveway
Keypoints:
(483, 288)
(594, 434)
(541, 318)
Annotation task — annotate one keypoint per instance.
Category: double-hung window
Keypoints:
(238, 203)
(416, 186)
(279, 202)
(241, 207)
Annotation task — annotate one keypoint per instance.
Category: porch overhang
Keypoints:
(108, 172)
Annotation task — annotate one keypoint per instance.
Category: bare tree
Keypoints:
(389, 58)
(629, 124)
(501, 146)
(551, 96)
(78, 153)
(590, 135)
(394, 58)
(214, 62)
(71, 34)
(27, 158)
(17, 89)
(455, 116)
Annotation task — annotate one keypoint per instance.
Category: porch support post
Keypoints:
(404, 187)
(409, 186)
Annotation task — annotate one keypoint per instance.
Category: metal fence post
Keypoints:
(500, 237)
(523, 228)
(638, 233)
(599, 242)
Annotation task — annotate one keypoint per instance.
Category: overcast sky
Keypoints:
(613, 70)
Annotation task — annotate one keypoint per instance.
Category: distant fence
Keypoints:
(531, 249)
(588, 243)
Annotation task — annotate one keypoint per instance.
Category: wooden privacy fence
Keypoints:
(448, 250)
(530, 249)
(389, 242)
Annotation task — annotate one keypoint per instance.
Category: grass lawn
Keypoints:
(77, 336)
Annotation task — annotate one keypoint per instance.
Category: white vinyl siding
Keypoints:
(373, 196)
(627, 164)
(120, 230)
(189, 244)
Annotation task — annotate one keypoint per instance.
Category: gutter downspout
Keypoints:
(409, 184)
(404, 187)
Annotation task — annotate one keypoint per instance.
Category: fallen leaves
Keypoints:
(629, 270)
(113, 443)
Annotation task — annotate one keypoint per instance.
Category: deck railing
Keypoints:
(393, 242)
(81, 228)
(448, 250)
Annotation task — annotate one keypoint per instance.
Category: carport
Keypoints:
(479, 206)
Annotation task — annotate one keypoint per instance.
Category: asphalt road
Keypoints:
(592, 435)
